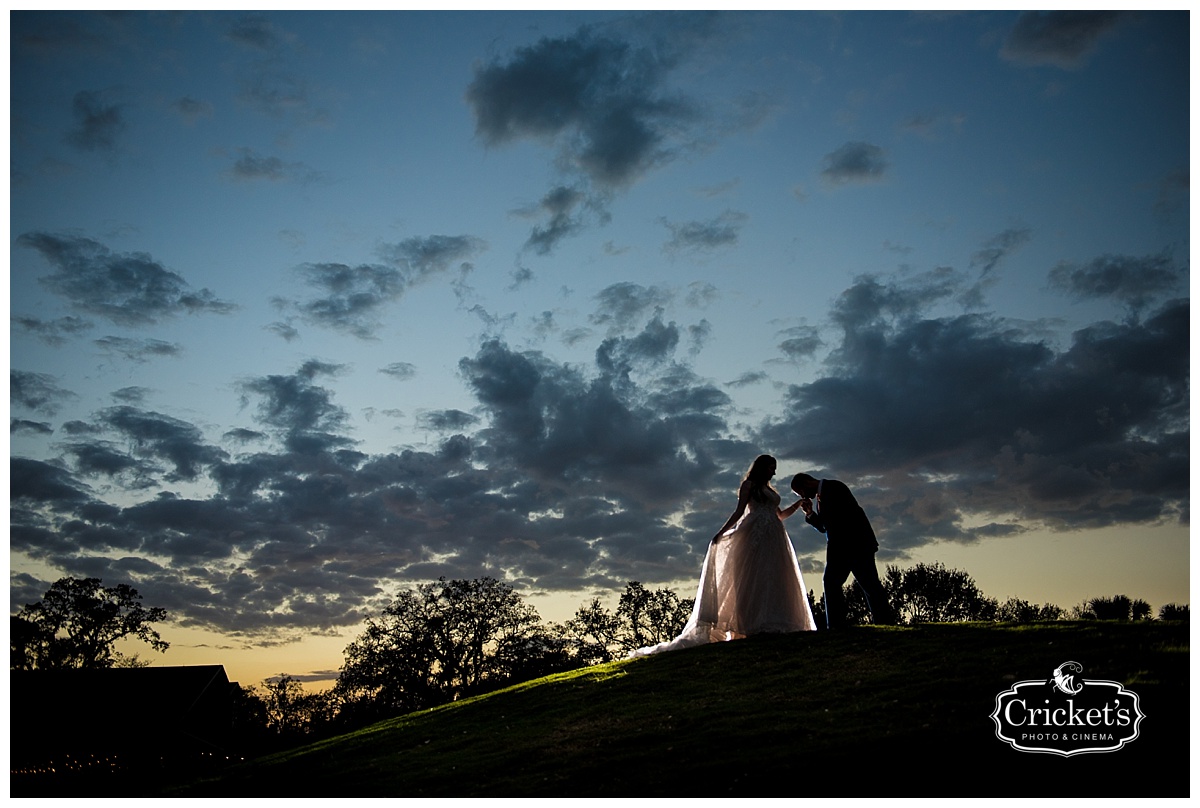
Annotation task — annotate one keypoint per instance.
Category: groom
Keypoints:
(850, 547)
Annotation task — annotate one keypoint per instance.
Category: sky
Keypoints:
(307, 308)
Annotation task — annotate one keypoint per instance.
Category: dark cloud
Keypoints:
(36, 391)
(748, 378)
(16, 425)
(655, 344)
(34, 482)
(604, 103)
(243, 435)
(423, 257)
(601, 100)
(130, 289)
(192, 110)
(800, 343)
(989, 422)
(563, 209)
(553, 423)
(708, 235)
(999, 246)
(354, 297)
(446, 420)
(131, 395)
(302, 412)
(1134, 282)
(251, 167)
(53, 332)
(403, 371)
(566, 475)
(621, 305)
(153, 436)
(285, 330)
(102, 457)
(253, 31)
(138, 350)
(855, 162)
(98, 123)
(1060, 38)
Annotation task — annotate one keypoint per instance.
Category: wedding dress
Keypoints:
(750, 584)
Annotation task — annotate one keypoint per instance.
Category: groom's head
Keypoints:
(805, 485)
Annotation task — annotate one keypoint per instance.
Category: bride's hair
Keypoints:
(759, 476)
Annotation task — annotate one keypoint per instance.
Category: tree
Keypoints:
(1118, 607)
(1015, 610)
(437, 643)
(931, 593)
(858, 613)
(1173, 611)
(643, 617)
(78, 622)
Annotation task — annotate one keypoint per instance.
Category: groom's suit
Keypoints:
(851, 546)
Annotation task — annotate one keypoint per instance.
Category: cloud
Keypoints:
(998, 247)
(654, 345)
(800, 343)
(601, 100)
(284, 330)
(250, 167)
(268, 85)
(1135, 282)
(561, 476)
(603, 103)
(561, 206)
(192, 110)
(402, 371)
(36, 391)
(1060, 38)
(302, 412)
(138, 350)
(1006, 432)
(16, 425)
(130, 289)
(253, 31)
(53, 332)
(621, 305)
(854, 163)
(709, 235)
(446, 420)
(131, 395)
(97, 123)
(155, 436)
(355, 296)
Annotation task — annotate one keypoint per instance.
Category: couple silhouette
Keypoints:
(750, 582)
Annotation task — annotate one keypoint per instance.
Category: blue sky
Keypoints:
(306, 307)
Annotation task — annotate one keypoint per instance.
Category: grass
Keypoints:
(873, 711)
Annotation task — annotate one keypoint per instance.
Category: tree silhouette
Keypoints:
(1016, 610)
(76, 625)
(931, 593)
(643, 617)
(1173, 611)
(439, 642)
(1118, 607)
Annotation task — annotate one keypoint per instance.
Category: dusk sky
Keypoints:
(310, 307)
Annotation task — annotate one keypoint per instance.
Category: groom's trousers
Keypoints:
(839, 565)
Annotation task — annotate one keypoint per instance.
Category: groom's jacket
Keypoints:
(837, 514)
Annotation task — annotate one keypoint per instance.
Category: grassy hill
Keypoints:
(871, 711)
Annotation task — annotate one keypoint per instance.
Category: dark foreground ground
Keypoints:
(886, 712)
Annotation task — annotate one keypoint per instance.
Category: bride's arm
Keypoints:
(784, 513)
(743, 498)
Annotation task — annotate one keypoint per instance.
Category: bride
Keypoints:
(750, 582)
